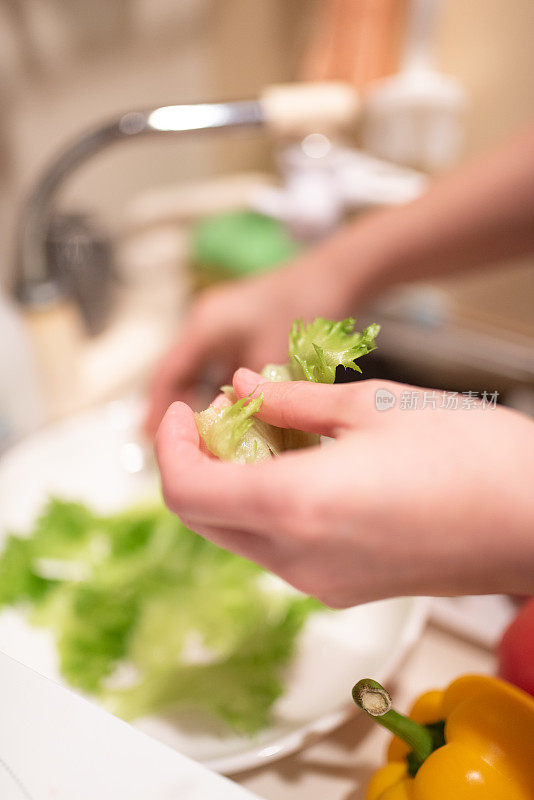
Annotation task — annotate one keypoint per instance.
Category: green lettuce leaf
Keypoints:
(239, 688)
(137, 594)
(315, 350)
(232, 433)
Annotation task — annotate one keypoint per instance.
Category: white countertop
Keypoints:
(55, 745)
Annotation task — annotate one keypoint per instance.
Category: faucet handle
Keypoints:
(296, 109)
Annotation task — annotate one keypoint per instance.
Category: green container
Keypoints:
(238, 244)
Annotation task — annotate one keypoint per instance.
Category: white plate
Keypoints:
(97, 458)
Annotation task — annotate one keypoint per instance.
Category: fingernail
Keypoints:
(248, 376)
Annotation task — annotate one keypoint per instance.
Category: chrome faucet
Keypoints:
(58, 254)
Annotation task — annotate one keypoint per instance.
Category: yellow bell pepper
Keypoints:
(472, 741)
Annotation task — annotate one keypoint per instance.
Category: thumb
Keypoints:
(320, 408)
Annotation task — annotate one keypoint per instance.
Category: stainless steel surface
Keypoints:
(478, 354)
(450, 356)
(36, 282)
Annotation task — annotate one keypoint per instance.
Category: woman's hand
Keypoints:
(435, 501)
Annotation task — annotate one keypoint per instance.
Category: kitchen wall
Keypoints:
(488, 44)
(65, 65)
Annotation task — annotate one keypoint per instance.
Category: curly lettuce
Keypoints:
(317, 349)
(148, 616)
(233, 433)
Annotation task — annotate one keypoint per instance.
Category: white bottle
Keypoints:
(22, 407)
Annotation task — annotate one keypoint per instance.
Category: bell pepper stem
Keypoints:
(372, 698)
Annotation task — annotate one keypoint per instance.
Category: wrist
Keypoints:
(360, 261)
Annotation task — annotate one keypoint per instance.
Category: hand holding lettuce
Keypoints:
(148, 616)
(394, 506)
(244, 322)
(232, 432)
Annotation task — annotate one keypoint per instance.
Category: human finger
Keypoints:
(314, 407)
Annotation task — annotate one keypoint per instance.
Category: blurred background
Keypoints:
(124, 225)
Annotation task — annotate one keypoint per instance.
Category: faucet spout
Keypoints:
(36, 281)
